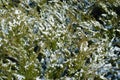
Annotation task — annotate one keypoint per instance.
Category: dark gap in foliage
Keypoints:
(116, 42)
(90, 42)
(40, 57)
(96, 12)
(15, 3)
(117, 52)
(117, 10)
(65, 72)
(36, 48)
(32, 4)
(62, 0)
(12, 59)
(73, 74)
(38, 9)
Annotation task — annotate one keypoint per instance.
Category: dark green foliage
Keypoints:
(59, 39)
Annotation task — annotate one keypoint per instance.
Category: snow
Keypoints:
(17, 11)
(19, 77)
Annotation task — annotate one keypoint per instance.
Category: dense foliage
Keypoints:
(59, 39)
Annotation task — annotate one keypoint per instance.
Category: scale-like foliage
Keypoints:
(59, 39)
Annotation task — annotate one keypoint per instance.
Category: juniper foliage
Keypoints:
(59, 39)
